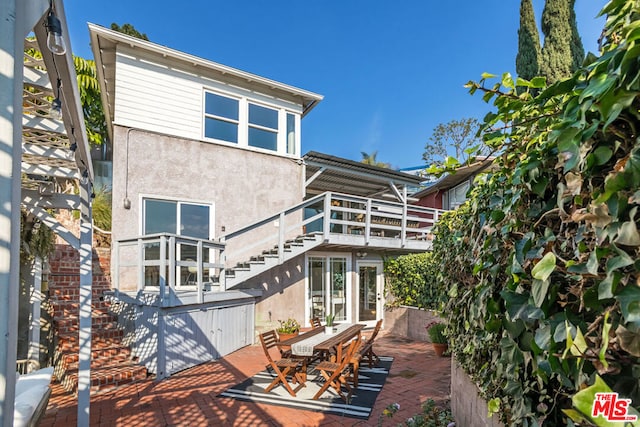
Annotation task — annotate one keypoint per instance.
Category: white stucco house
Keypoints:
(221, 227)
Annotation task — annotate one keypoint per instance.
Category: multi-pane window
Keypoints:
(263, 127)
(240, 121)
(181, 218)
(173, 217)
(221, 117)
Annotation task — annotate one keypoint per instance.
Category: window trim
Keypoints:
(243, 123)
(178, 201)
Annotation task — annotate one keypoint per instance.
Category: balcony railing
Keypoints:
(167, 263)
(332, 215)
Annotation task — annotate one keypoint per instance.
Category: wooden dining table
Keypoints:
(324, 345)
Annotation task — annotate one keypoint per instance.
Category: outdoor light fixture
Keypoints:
(55, 112)
(55, 41)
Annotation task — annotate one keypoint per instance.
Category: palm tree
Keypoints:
(370, 159)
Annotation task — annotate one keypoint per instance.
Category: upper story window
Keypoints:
(263, 127)
(248, 124)
(221, 117)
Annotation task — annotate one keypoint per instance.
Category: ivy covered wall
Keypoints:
(542, 264)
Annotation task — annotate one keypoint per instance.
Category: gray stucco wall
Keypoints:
(242, 185)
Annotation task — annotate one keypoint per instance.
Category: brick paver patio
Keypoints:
(189, 397)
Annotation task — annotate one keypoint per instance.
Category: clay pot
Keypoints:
(283, 337)
(440, 348)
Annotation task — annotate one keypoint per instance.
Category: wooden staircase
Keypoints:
(271, 258)
(112, 363)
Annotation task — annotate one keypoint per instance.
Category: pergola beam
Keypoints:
(50, 221)
(35, 198)
(46, 170)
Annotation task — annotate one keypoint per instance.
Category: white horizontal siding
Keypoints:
(156, 98)
(159, 97)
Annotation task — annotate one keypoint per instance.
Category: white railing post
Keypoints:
(222, 260)
(281, 230)
(172, 268)
(140, 264)
(326, 224)
(199, 260)
(367, 226)
(163, 267)
(115, 269)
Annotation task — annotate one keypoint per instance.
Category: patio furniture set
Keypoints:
(339, 354)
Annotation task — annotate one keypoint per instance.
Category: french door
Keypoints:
(328, 287)
(370, 292)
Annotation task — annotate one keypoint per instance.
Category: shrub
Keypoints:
(411, 280)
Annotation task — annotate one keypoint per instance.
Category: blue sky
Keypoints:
(390, 71)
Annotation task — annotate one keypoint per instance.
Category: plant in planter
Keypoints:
(328, 326)
(288, 329)
(438, 339)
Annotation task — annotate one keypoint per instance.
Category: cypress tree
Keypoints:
(528, 58)
(577, 50)
(562, 52)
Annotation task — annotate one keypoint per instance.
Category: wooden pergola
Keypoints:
(41, 157)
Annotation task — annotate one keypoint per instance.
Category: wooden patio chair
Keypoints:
(365, 351)
(336, 374)
(284, 367)
(315, 322)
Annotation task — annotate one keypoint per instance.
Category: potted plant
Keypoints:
(438, 339)
(288, 329)
(328, 326)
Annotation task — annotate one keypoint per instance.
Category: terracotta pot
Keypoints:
(283, 336)
(440, 348)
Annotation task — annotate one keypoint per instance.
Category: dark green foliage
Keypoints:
(89, 89)
(129, 30)
(528, 58)
(542, 263)
(411, 281)
(562, 52)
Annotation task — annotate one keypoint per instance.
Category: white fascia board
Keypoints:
(54, 225)
(196, 61)
(46, 170)
(50, 201)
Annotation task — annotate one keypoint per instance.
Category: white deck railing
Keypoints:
(333, 214)
(167, 262)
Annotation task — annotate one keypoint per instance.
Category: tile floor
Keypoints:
(189, 397)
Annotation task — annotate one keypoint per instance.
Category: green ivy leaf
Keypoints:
(543, 269)
(539, 289)
(628, 233)
(629, 299)
(606, 327)
(494, 406)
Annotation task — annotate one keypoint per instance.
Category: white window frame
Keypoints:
(347, 281)
(244, 125)
(452, 201)
(178, 202)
